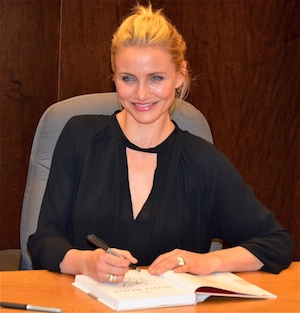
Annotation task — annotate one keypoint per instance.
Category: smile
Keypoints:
(144, 105)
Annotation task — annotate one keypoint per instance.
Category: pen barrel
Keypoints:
(110, 251)
(133, 266)
(11, 305)
(42, 309)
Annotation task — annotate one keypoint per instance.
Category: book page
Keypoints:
(220, 281)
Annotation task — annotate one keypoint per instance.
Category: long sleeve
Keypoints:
(243, 220)
(50, 242)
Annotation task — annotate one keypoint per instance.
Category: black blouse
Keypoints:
(197, 195)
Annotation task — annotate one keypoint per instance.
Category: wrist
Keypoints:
(215, 261)
(75, 262)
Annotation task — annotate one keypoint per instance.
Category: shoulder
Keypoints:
(88, 123)
(198, 146)
(204, 155)
(81, 129)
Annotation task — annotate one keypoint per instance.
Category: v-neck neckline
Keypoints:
(157, 206)
(163, 154)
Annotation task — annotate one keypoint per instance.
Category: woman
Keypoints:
(141, 184)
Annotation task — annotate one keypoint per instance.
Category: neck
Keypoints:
(145, 135)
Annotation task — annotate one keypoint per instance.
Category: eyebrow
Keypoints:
(150, 74)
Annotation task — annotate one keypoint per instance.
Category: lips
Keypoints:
(144, 105)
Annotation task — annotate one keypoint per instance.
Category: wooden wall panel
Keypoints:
(248, 88)
(29, 32)
(244, 55)
(86, 35)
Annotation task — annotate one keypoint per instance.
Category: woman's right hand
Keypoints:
(97, 263)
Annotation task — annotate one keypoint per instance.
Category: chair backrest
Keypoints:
(48, 130)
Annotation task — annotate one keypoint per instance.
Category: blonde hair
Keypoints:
(145, 27)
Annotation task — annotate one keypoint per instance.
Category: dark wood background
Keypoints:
(243, 53)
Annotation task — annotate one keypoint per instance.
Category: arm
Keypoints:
(233, 214)
(51, 240)
(54, 236)
(242, 220)
(52, 246)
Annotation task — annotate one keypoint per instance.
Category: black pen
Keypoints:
(103, 245)
(29, 307)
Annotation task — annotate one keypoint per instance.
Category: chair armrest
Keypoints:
(10, 259)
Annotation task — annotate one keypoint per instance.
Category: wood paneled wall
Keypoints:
(244, 55)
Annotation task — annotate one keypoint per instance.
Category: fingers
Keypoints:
(169, 261)
(110, 268)
(105, 277)
(181, 261)
(126, 254)
(113, 278)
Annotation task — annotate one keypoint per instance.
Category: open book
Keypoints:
(141, 290)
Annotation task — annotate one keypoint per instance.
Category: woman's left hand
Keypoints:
(235, 259)
(194, 263)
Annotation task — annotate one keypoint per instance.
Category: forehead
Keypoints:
(143, 58)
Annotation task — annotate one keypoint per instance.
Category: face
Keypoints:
(146, 79)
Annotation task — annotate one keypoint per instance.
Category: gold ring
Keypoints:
(180, 261)
(112, 278)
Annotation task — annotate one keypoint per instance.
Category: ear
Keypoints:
(182, 74)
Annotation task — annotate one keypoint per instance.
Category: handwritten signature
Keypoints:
(134, 281)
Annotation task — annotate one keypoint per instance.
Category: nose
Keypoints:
(142, 91)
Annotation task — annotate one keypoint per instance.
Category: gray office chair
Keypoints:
(49, 128)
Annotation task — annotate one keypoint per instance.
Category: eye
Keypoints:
(127, 79)
(157, 78)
